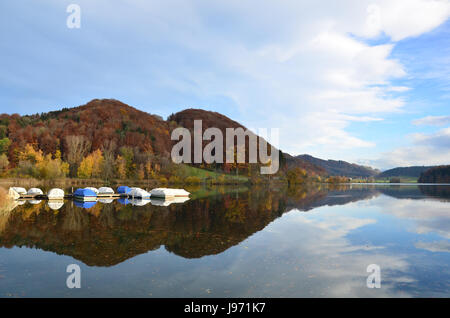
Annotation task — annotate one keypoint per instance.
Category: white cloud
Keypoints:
(439, 140)
(440, 246)
(427, 216)
(426, 150)
(296, 66)
(433, 121)
(304, 67)
(405, 18)
(399, 89)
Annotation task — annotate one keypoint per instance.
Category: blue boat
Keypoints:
(123, 201)
(84, 204)
(123, 190)
(85, 195)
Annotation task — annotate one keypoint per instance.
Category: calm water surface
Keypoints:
(234, 243)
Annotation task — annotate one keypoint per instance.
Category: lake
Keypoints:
(238, 242)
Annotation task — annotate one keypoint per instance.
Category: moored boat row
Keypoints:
(91, 194)
(138, 202)
(36, 193)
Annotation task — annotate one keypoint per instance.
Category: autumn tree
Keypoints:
(33, 163)
(91, 166)
(30, 154)
(148, 170)
(121, 167)
(4, 164)
(51, 168)
(296, 175)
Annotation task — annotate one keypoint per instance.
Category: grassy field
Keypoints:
(387, 180)
(205, 174)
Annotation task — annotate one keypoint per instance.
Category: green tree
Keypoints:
(4, 145)
(128, 155)
(3, 131)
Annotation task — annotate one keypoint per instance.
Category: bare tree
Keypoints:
(77, 148)
(108, 149)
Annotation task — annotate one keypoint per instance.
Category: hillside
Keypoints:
(340, 168)
(132, 143)
(210, 119)
(440, 174)
(99, 121)
(411, 172)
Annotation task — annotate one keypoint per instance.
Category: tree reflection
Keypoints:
(215, 220)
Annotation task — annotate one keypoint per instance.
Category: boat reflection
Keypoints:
(169, 201)
(111, 232)
(85, 204)
(55, 204)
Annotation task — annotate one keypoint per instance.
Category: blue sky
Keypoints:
(364, 81)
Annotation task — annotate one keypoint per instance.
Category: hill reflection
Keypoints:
(107, 234)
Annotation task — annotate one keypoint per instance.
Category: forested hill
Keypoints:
(440, 174)
(412, 172)
(119, 131)
(341, 168)
(98, 121)
(210, 119)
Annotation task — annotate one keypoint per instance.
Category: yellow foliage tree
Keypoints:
(91, 166)
(121, 167)
(97, 167)
(149, 170)
(52, 168)
(32, 162)
(30, 154)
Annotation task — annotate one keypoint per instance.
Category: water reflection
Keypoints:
(323, 252)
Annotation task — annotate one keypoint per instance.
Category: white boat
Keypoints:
(19, 190)
(13, 194)
(105, 190)
(161, 202)
(180, 199)
(55, 204)
(16, 192)
(168, 192)
(55, 194)
(139, 202)
(138, 193)
(35, 191)
(105, 201)
(35, 201)
(168, 201)
(93, 189)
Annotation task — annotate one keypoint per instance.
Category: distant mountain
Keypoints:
(292, 162)
(439, 174)
(340, 168)
(412, 172)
